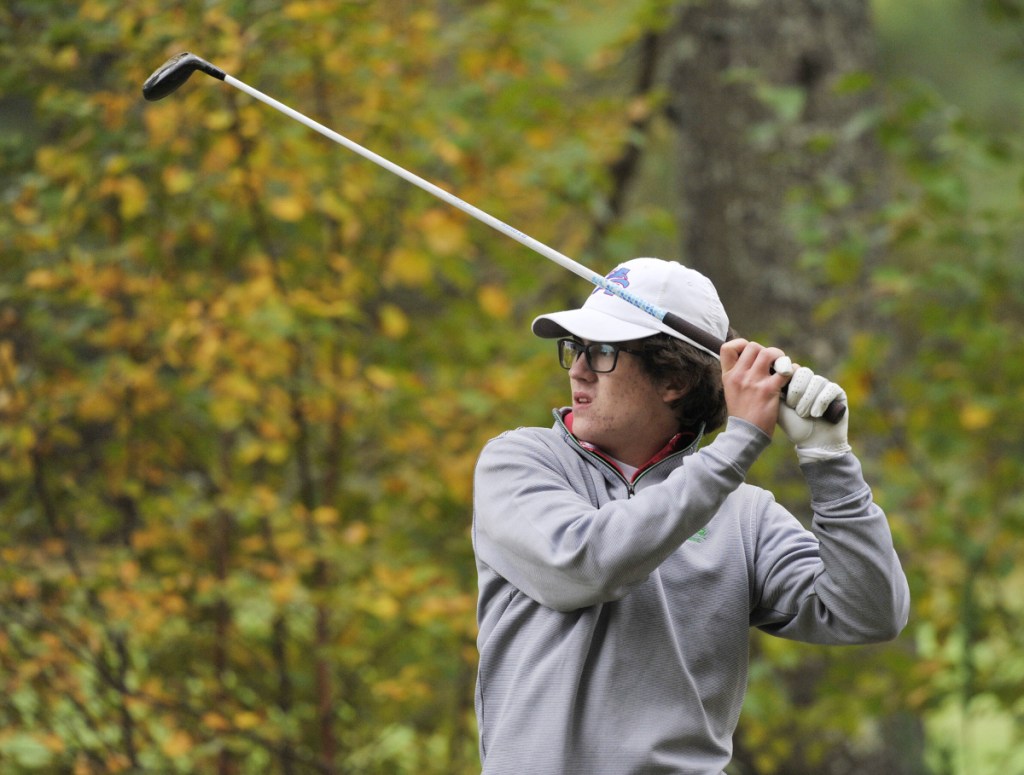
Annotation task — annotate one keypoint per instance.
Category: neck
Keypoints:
(638, 457)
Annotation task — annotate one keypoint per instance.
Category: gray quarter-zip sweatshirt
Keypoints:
(614, 616)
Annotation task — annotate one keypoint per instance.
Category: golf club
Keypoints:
(176, 70)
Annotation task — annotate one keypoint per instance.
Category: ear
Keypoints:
(673, 391)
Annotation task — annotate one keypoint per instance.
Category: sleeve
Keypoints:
(843, 582)
(536, 525)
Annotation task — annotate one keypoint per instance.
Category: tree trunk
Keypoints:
(769, 116)
(780, 172)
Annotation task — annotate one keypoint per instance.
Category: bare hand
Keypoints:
(752, 390)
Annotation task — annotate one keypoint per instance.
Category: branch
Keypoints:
(623, 169)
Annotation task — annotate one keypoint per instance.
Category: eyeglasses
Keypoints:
(601, 356)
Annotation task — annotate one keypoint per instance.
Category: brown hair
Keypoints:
(697, 372)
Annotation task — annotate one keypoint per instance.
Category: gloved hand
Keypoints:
(807, 398)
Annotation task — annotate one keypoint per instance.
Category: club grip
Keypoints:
(833, 414)
(835, 411)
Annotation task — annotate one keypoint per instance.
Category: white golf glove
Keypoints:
(807, 398)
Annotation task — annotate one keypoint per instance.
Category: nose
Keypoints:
(580, 369)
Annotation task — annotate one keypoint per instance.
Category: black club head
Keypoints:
(174, 72)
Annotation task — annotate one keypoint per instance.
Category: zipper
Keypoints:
(630, 490)
(644, 472)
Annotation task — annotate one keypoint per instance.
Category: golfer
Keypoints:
(621, 562)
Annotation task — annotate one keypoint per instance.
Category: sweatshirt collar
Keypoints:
(677, 443)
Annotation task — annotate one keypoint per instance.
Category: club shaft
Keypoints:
(509, 231)
(672, 320)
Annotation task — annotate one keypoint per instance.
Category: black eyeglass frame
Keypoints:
(590, 351)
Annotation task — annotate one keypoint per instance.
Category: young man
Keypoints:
(621, 564)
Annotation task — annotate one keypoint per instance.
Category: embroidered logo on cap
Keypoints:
(619, 276)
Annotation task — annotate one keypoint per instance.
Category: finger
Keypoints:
(772, 353)
(829, 392)
(797, 385)
(731, 351)
(766, 359)
(783, 366)
(757, 355)
(807, 401)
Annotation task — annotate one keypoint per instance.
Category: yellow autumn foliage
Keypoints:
(244, 378)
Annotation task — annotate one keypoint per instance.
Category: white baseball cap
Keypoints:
(669, 285)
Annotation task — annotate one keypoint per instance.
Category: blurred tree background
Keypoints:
(244, 374)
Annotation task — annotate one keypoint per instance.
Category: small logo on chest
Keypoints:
(699, 537)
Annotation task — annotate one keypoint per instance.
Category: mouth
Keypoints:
(580, 399)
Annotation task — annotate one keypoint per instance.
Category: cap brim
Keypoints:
(591, 325)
